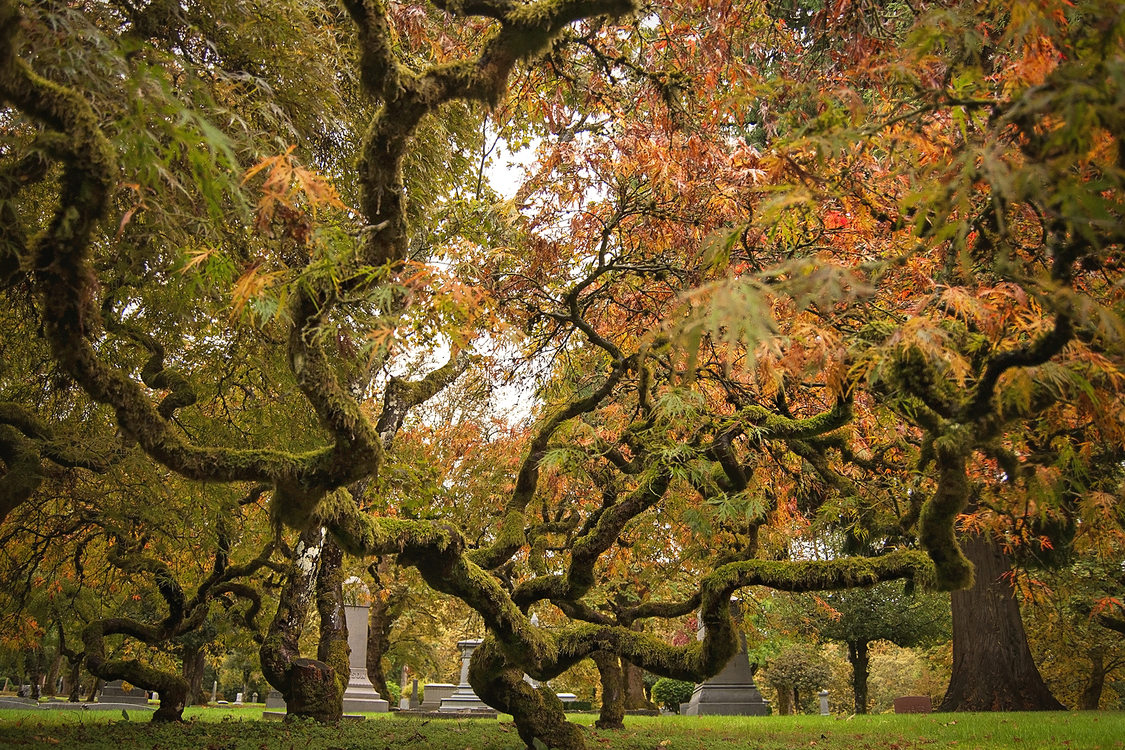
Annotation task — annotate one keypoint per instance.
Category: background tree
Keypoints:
(860, 617)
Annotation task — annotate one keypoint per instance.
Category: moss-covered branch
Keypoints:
(587, 548)
(511, 534)
(401, 396)
(67, 291)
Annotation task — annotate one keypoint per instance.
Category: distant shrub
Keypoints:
(671, 693)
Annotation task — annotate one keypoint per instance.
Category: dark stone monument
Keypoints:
(732, 691)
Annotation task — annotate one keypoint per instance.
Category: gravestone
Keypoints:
(732, 691)
(274, 700)
(214, 690)
(914, 704)
(414, 702)
(434, 693)
(360, 696)
(114, 692)
(463, 698)
(238, 699)
(824, 703)
(253, 697)
(20, 703)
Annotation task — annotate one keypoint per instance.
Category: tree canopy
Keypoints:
(779, 271)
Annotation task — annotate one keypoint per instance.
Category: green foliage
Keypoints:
(798, 666)
(671, 693)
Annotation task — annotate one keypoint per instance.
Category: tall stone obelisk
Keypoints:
(732, 691)
(360, 696)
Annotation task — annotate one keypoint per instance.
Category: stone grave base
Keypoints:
(468, 713)
(20, 704)
(280, 716)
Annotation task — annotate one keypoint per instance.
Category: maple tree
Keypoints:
(789, 269)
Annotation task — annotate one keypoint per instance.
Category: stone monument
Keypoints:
(463, 698)
(360, 696)
(434, 693)
(732, 691)
(114, 692)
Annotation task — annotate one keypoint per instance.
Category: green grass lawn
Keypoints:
(240, 728)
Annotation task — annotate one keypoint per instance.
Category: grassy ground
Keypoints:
(230, 728)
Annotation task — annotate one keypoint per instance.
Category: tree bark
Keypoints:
(993, 669)
(635, 696)
(613, 691)
(860, 658)
(1095, 682)
(386, 606)
(53, 675)
(784, 700)
(193, 675)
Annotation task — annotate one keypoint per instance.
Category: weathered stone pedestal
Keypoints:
(360, 696)
(731, 692)
(463, 698)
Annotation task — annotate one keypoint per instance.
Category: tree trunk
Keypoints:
(537, 712)
(193, 675)
(332, 648)
(173, 699)
(53, 675)
(35, 667)
(784, 700)
(635, 696)
(75, 694)
(993, 669)
(861, 662)
(1095, 682)
(386, 605)
(613, 691)
(280, 651)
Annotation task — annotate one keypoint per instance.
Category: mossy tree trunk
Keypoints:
(299, 680)
(993, 669)
(332, 647)
(538, 712)
(386, 606)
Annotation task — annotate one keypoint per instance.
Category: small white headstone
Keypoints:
(823, 702)
(238, 699)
